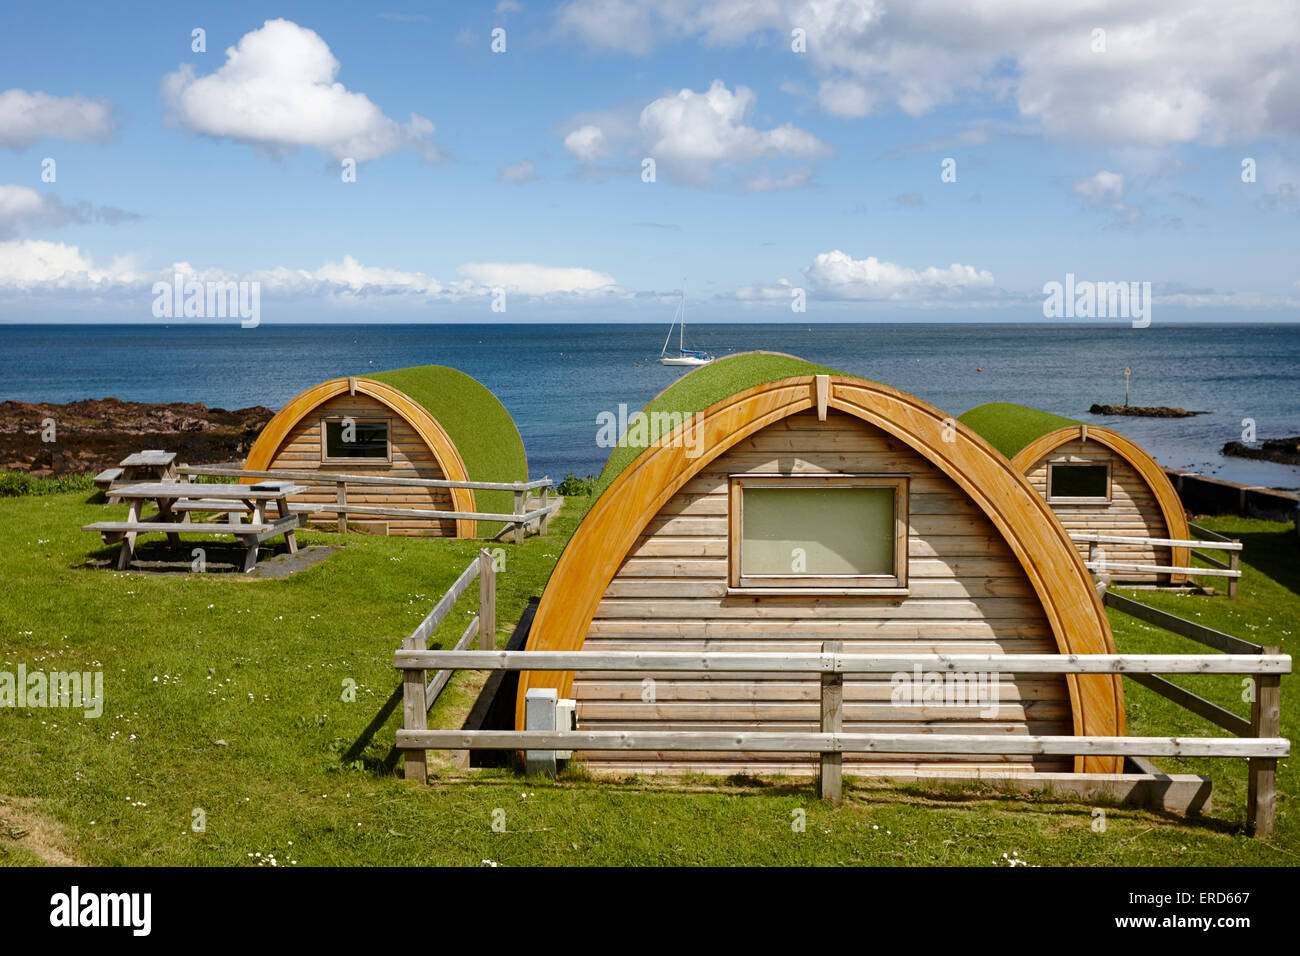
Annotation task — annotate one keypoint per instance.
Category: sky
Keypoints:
(789, 160)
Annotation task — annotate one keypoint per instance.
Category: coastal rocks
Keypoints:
(1283, 451)
(94, 434)
(1143, 411)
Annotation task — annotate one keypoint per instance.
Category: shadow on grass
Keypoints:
(388, 764)
(1274, 553)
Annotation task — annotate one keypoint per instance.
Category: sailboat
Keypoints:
(684, 355)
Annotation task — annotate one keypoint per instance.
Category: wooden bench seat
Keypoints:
(104, 480)
(250, 535)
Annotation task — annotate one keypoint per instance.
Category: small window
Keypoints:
(1078, 483)
(828, 533)
(353, 438)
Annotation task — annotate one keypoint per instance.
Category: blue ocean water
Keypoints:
(555, 379)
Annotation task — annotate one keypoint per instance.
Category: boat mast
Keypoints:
(681, 335)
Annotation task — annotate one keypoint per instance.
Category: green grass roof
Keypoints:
(1009, 427)
(708, 385)
(477, 423)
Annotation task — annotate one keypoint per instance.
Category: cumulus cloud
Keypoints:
(521, 172)
(587, 142)
(24, 211)
(278, 91)
(1170, 71)
(837, 275)
(26, 118)
(1105, 190)
(34, 267)
(844, 98)
(691, 134)
(527, 278)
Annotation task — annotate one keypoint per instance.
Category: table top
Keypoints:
(150, 457)
(188, 489)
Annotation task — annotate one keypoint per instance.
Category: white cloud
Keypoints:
(690, 134)
(1172, 72)
(588, 143)
(837, 275)
(527, 278)
(34, 267)
(844, 98)
(23, 211)
(27, 117)
(277, 91)
(1102, 186)
(521, 172)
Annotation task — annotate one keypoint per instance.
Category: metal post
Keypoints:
(539, 714)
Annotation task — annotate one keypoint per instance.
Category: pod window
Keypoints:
(824, 533)
(1075, 483)
(354, 439)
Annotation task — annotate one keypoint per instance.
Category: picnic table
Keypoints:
(149, 465)
(178, 500)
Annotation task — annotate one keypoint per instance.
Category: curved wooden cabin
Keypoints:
(1096, 480)
(424, 422)
(801, 505)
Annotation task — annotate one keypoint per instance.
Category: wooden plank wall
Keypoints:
(411, 458)
(1133, 510)
(968, 595)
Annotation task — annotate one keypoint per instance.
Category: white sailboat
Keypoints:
(684, 355)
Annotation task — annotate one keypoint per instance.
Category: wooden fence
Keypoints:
(519, 520)
(1260, 743)
(1101, 565)
(417, 697)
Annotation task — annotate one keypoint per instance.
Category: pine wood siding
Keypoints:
(411, 457)
(1133, 510)
(967, 594)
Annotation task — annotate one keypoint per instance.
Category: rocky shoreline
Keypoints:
(94, 434)
(1282, 451)
(1143, 411)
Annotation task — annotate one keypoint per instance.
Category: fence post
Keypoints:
(342, 499)
(415, 711)
(1234, 558)
(831, 770)
(487, 602)
(519, 523)
(546, 515)
(539, 714)
(1265, 721)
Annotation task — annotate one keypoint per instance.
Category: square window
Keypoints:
(1078, 482)
(346, 439)
(825, 533)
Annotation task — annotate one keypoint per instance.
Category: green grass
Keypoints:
(478, 424)
(225, 695)
(1009, 427)
(708, 385)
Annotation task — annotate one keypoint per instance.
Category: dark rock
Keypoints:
(1283, 451)
(1143, 411)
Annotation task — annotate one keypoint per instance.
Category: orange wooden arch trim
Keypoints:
(1033, 532)
(272, 438)
(1171, 506)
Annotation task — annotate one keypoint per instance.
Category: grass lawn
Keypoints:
(225, 696)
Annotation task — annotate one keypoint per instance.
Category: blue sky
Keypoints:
(815, 170)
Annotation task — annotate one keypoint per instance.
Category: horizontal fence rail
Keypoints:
(1101, 564)
(519, 519)
(1259, 738)
(823, 663)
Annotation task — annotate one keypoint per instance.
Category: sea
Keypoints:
(557, 379)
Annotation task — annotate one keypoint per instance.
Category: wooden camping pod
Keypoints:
(438, 423)
(1143, 502)
(643, 569)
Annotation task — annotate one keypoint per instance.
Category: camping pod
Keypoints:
(762, 503)
(428, 422)
(1097, 481)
